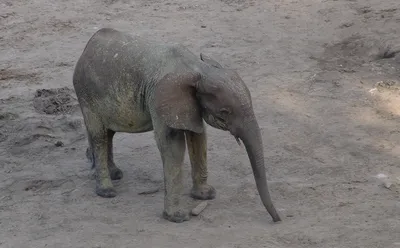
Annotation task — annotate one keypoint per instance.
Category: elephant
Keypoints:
(125, 83)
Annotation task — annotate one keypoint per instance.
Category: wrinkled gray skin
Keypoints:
(126, 84)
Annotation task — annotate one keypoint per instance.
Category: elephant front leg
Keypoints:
(197, 146)
(171, 144)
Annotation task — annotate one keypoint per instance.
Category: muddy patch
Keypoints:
(55, 101)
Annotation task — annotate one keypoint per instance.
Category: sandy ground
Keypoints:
(324, 79)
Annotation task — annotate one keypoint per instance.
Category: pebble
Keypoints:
(387, 184)
(59, 144)
(199, 208)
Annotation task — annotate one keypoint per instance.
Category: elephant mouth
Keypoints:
(216, 122)
(238, 140)
(223, 127)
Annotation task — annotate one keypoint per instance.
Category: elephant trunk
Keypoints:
(251, 136)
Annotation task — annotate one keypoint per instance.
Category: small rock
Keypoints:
(387, 184)
(346, 25)
(203, 26)
(59, 144)
(381, 175)
(199, 208)
(149, 191)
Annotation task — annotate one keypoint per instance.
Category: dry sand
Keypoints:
(313, 69)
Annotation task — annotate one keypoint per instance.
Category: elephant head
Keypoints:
(220, 97)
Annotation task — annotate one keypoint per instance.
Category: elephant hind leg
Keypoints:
(197, 147)
(115, 172)
(98, 143)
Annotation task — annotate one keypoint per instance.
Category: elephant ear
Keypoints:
(176, 103)
(209, 60)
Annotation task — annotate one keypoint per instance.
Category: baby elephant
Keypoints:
(127, 84)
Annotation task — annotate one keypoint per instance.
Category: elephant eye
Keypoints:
(224, 113)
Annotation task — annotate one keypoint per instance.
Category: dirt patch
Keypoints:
(240, 4)
(55, 101)
(388, 85)
(17, 74)
(354, 52)
(8, 116)
(347, 55)
(36, 185)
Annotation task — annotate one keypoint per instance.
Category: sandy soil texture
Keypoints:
(324, 77)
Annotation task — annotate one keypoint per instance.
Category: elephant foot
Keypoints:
(106, 192)
(178, 216)
(115, 173)
(203, 192)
